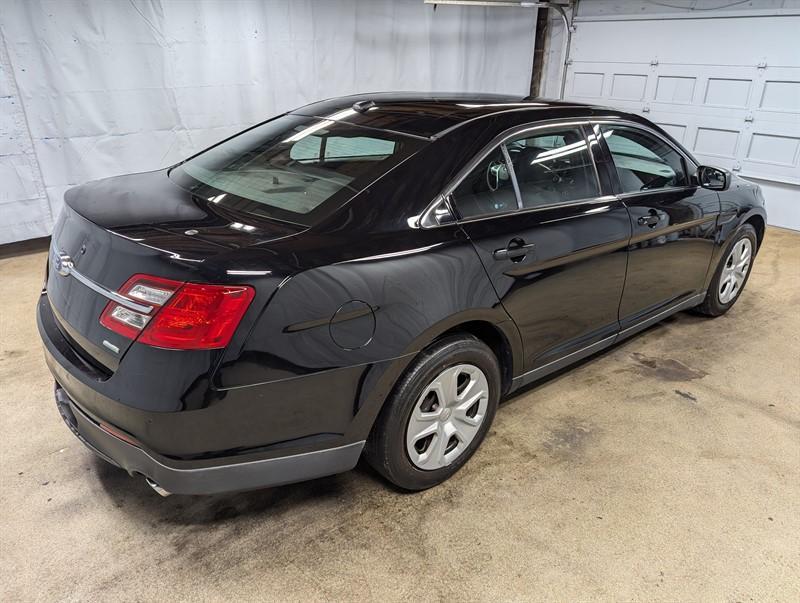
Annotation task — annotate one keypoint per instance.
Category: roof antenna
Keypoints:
(364, 106)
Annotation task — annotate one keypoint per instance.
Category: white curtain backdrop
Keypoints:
(90, 89)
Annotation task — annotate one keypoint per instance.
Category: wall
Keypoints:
(96, 89)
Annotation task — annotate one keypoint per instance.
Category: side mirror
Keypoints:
(713, 178)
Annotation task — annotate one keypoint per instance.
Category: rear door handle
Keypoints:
(515, 251)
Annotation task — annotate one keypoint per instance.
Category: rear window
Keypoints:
(293, 168)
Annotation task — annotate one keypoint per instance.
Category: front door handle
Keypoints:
(650, 219)
(515, 251)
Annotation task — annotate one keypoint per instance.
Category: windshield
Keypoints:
(294, 167)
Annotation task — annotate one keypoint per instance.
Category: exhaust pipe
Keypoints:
(157, 488)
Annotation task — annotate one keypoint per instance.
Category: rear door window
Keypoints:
(487, 189)
(548, 167)
(553, 166)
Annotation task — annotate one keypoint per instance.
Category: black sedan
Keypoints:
(371, 275)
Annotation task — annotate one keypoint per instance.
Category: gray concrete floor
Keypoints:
(667, 468)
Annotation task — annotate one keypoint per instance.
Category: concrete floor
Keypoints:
(667, 468)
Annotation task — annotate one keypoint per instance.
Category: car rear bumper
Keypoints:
(224, 473)
(204, 480)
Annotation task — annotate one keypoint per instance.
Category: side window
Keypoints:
(341, 148)
(488, 189)
(643, 161)
(553, 166)
(306, 149)
(362, 147)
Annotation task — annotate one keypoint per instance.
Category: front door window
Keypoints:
(644, 162)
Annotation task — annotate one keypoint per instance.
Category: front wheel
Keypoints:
(437, 415)
(732, 273)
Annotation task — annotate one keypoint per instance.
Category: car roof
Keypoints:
(425, 115)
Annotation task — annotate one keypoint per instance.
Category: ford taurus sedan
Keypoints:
(371, 275)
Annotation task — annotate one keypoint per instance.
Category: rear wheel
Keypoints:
(732, 273)
(437, 415)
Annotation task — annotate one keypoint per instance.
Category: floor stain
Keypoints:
(509, 450)
(568, 440)
(665, 369)
(686, 395)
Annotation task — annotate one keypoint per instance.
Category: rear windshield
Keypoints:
(293, 168)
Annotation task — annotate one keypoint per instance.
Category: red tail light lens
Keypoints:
(198, 317)
(183, 316)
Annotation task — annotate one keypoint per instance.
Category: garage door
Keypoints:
(727, 88)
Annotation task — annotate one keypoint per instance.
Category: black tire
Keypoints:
(712, 305)
(386, 447)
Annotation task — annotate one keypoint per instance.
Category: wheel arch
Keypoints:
(758, 222)
(502, 338)
(497, 341)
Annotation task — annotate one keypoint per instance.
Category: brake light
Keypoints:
(183, 316)
(198, 317)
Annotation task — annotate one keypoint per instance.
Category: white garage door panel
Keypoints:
(732, 41)
(727, 89)
(675, 89)
(778, 99)
(716, 137)
(782, 96)
(771, 152)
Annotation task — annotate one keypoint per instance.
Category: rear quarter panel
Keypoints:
(347, 330)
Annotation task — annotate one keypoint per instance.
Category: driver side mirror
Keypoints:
(713, 178)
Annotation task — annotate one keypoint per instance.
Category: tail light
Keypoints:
(151, 291)
(184, 316)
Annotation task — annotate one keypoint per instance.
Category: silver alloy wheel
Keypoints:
(735, 270)
(447, 416)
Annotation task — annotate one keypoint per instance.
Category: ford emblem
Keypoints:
(62, 263)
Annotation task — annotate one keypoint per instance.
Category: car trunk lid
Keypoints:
(111, 229)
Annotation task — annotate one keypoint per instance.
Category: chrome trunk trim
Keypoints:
(63, 266)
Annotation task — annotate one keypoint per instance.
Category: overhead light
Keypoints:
(521, 4)
(478, 106)
(240, 226)
(328, 121)
(248, 272)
